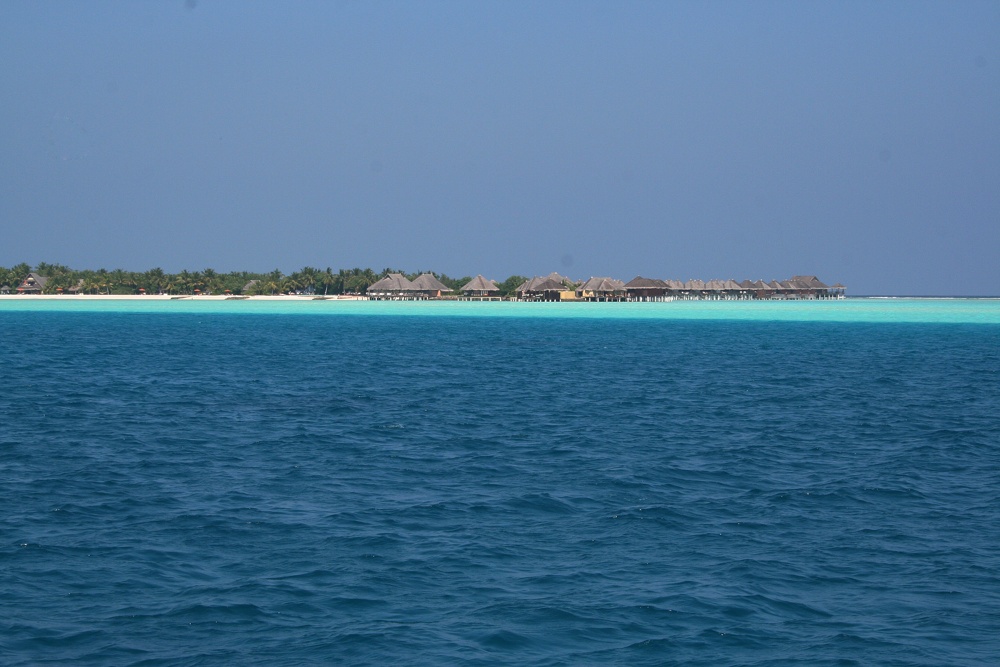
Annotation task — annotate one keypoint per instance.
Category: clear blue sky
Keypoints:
(858, 141)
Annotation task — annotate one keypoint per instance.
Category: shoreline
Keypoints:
(182, 297)
(344, 297)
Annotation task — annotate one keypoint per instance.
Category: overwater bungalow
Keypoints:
(715, 289)
(734, 290)
(601, 289)
(481, 288)
(694, 289)
(759, 290)
(552, 287)
(647, 289)
(811, 287)
(428, 286)
(394, 286)
(675, 288)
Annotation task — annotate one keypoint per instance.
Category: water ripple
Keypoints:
(358, 490)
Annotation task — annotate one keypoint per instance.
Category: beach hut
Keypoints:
(646, 289)
(5, 289)
(33, 284)
(480, 287)
(429, 286)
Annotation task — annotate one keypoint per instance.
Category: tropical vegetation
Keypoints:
(308, 280)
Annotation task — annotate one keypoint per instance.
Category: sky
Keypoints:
(855, 141)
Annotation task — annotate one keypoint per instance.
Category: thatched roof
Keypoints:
(550, 283)
(639, 282)
(480, 284)
(33, 283)
(426, 282)
(602, 285)
(394, 282)
(676, 285)
(808, 282)
(695, 285)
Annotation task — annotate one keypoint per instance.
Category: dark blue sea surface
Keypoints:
(185, 489)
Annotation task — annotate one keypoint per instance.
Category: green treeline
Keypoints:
(308, 280)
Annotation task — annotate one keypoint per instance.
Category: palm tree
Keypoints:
(210, 281)
(154, 280)
(272, 281)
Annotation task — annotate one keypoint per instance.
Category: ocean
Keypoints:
(372, 483)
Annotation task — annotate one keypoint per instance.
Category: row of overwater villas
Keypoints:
(555, 287)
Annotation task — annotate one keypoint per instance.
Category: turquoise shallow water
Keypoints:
(969, 311)
(400, 486)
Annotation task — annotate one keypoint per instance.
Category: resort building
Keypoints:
(811, 287)
(481, 288)
(552, 287)
(601, 289)
(397, 287)
(647, 289)
(33, 284)
(428, 286)
(394, 286)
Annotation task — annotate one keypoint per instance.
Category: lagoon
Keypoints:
(871, 310)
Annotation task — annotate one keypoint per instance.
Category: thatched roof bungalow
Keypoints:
(694, 289)
(428, 285)
(601, 289)
(715, 289)
(646, 289)
(480, 287)
(547, 288)
(810, 287)
(393, 286)
(675, 287)
(33, 284)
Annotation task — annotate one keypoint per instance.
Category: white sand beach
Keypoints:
(186, 297)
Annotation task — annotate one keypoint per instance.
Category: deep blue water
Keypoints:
(185, 489)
